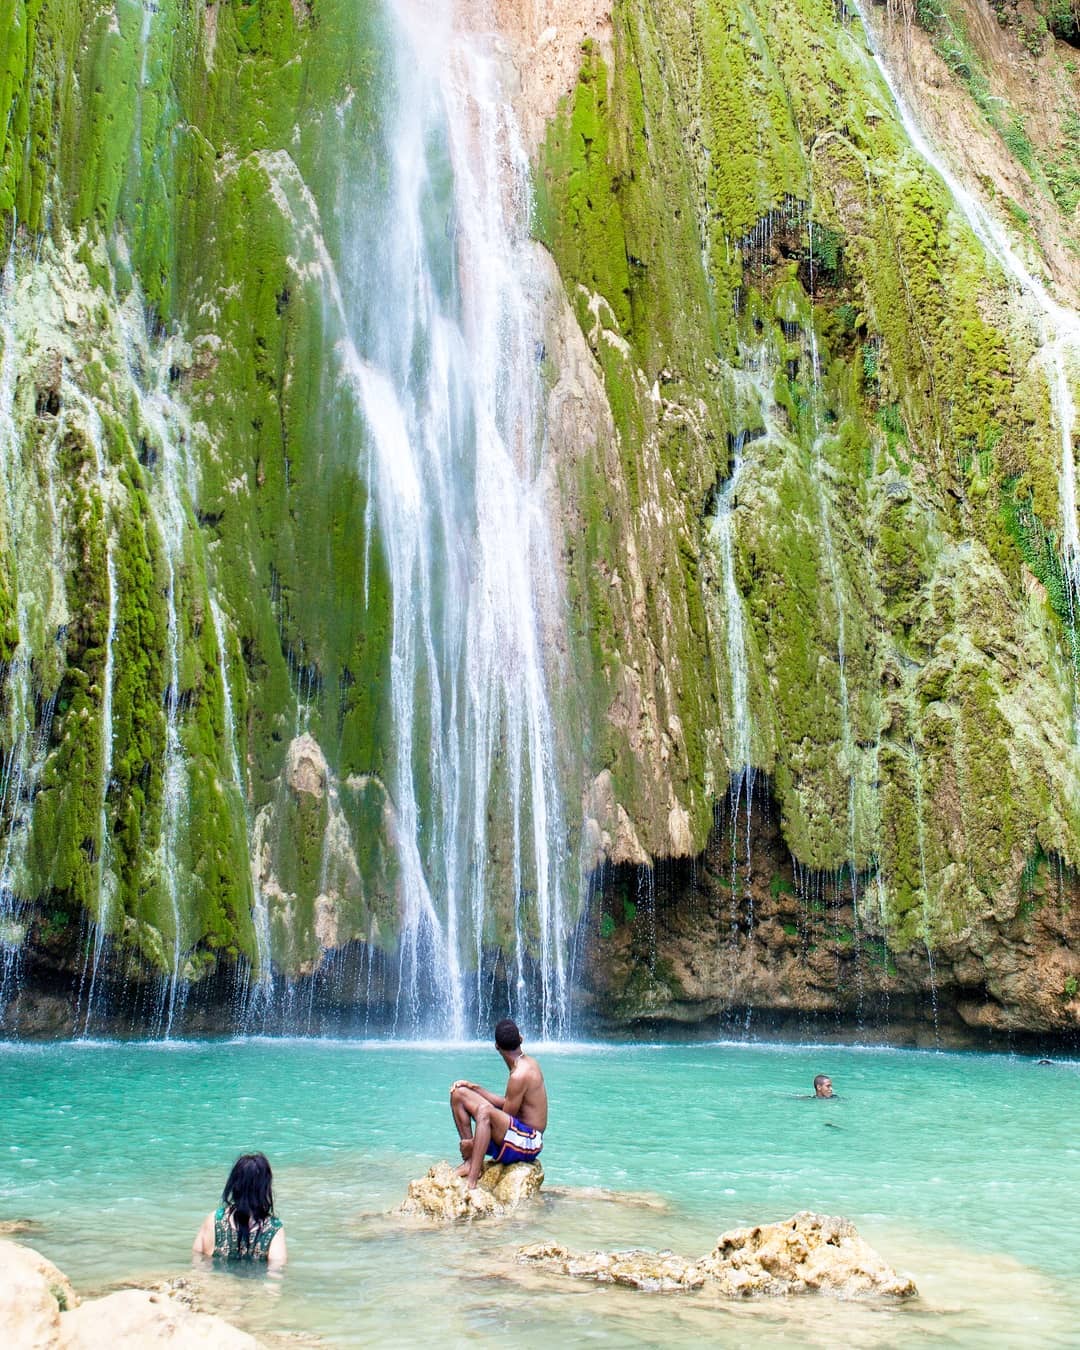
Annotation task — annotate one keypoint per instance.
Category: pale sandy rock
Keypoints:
(305, 766)
(135, 1318)
(33, 1293)
(655, 1272)
(442, 1195)
(806, 1253)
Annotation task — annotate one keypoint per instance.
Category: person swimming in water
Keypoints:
(823, 1086)
(244, 1227)
(511, 1127)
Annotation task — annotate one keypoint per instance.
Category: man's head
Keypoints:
(823, 1085)
(507, 1037)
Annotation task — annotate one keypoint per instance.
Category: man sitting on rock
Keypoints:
(509, 1127)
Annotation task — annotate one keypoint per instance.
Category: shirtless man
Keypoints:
(511, 1127)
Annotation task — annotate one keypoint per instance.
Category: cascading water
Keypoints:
(459, 489)
(818, 461)
(171, 484)
(260, 984)
(106, 882)
(34, 547)
(1059, 327)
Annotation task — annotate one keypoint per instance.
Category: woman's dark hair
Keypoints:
(249, 1196)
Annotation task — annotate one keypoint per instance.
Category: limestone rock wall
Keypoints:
(808, 475)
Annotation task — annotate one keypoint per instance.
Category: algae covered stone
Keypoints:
(807, 1253)
(441, 1195)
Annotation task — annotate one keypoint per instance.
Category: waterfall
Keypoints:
(847, 737)
(751, 384)
(458, 481)
(171, 485)
(259, 992)
(1059, 327)
(34, 546)
(106, 882)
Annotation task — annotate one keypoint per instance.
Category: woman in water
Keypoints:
(244, 1227)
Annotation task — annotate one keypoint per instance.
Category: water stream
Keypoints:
(171, 488)
(458, 480)
(106, 882)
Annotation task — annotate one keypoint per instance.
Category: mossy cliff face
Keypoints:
(806, 463)
(770, 278)
(180, 457)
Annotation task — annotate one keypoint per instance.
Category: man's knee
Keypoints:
(483, 1112)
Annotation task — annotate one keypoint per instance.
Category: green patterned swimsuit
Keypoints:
(227, 1244)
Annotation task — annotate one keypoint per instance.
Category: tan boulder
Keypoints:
(441, 1195)
(33, 1293)
(655, 1272)
(806, 1253)
(140, 1317)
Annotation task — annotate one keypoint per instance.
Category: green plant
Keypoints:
(1071, 986)
(779, 886)
(1019, 143)
(607, 925)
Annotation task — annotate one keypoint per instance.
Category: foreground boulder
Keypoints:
(804, 1254)
(39, 1310)
(138, 1317)
(33, 1294)
(442, 1196)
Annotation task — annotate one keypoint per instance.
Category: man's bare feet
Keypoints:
(462, 1171)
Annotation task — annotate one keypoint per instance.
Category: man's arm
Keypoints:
(481, 1092)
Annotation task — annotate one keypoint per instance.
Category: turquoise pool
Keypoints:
(961, 1169)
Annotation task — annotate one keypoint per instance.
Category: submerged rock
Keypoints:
(655, 1272)
(39, 1310)
(441, 1195)
(804, 1254)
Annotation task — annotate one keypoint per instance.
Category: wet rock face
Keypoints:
(742, 937)
(808, 1253)
(442, 1196)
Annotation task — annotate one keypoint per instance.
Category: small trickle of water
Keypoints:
(171, 490)
(260, 987)
(106, 881)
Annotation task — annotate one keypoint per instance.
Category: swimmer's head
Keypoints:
(823, 1085)
(507, 1036)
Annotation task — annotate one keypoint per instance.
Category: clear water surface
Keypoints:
(962, 1169)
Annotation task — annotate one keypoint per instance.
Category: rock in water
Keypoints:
(442, 1195)
(139, 1317)
(33, 1294)
(806, 1253)
(655, 1272)
(39, 1310)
